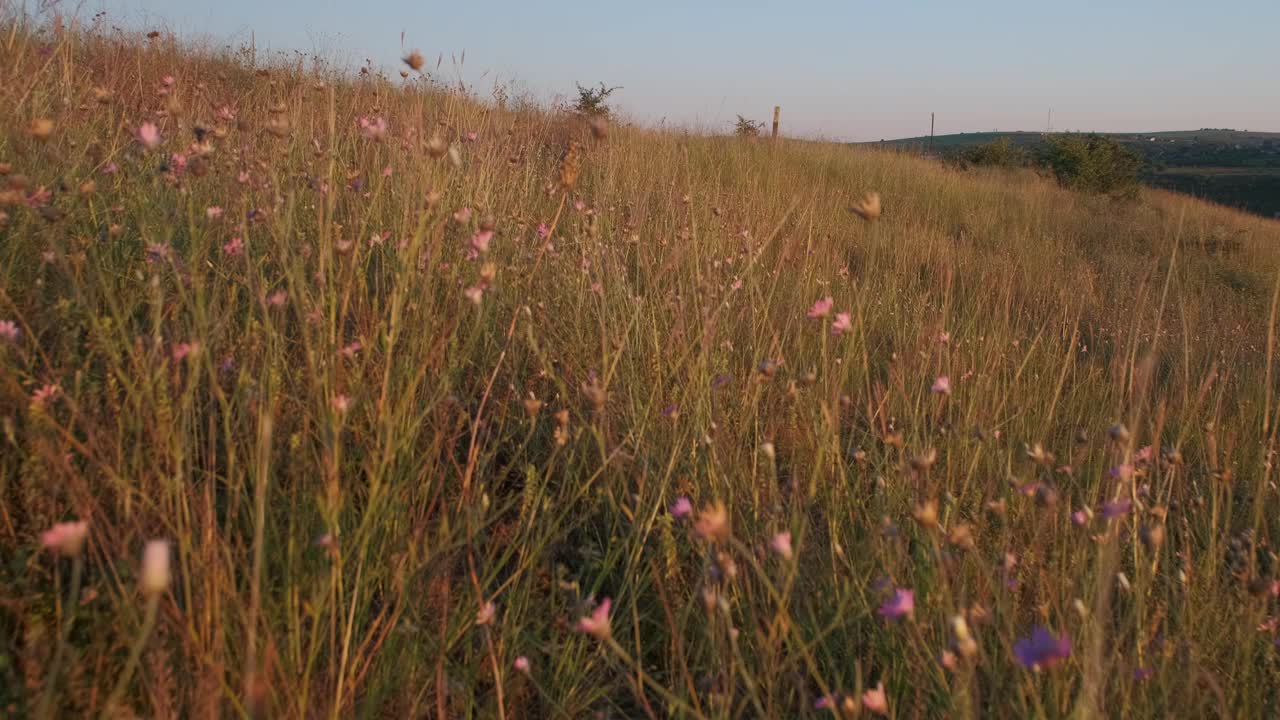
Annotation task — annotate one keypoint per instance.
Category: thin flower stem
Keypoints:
(45, 709)
(148, 623)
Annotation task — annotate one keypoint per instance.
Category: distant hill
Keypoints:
(1238, 168)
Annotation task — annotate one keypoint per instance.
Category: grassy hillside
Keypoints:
(1233, 167)
(408, 386)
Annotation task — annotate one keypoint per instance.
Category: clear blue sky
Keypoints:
(843, 70)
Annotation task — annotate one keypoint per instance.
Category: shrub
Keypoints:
(1000, 152)
(1094, 163)
(591, 100)
(743, 127)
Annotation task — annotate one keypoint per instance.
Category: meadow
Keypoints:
(329, 394)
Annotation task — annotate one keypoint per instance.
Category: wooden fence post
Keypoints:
(777, 113)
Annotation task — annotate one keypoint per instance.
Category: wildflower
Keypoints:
(941, 386)
(167, 80)
(713, 522)
(1080, 518)
(471, 136)
(681, 508)
(1143, 455)
(521, 664)
(926, 514)
(373, 128)
(948, 660)
(944, 337)
(225, 114)
(110, 169)
(841, 325)
(486, 613)
(9, 330)
(965, 643)
(213, 212)
(875, 700)
(1042, 649)
(182, 350)
(868, 208)
(821, 308)
(41, 397)
(475, 294)
(414, 60)
(233, 247)
(543, 231)
(41, 129)
(597, 624)
(480, 241)
(278, 298)
(902, 604)
(148, 135)
(66, 538)
(1116, 508)
(349, 351)
(341, 403)
(1118, 433)
(781, 544)
(155, 568)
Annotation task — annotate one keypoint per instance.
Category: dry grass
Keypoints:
(369, 417)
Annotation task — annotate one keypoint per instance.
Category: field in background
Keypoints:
(1237, 168)
(449, 409)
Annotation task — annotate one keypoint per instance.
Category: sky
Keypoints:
(840, 70)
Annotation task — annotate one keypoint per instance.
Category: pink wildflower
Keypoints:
(781, 544)
(941, 386)
(65, 538)
(842, 324)
(41, 397)
(278, 298)
(902, 604)
(148, 135)
(681, 508)
(597, 624)
(9, 330)
(182, 350)
(373, 128)
(821, 308)
(341, 403)
(350, 350)
(521, 664)
(233, 247)
(213, 212)
(475, 294)
(480, 241)
(875, 700)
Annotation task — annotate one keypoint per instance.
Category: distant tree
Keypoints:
(591, 100)
(743, 127)
(1000, 152)
(1094, 164)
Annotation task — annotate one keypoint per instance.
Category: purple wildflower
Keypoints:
(1042, 649)
(902, 604)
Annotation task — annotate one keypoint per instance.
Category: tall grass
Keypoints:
(398, 459)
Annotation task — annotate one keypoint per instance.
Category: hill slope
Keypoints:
(1233, 167)
(410, 385)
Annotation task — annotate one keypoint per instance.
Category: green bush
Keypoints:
(1000, 152)
(1094, 164)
